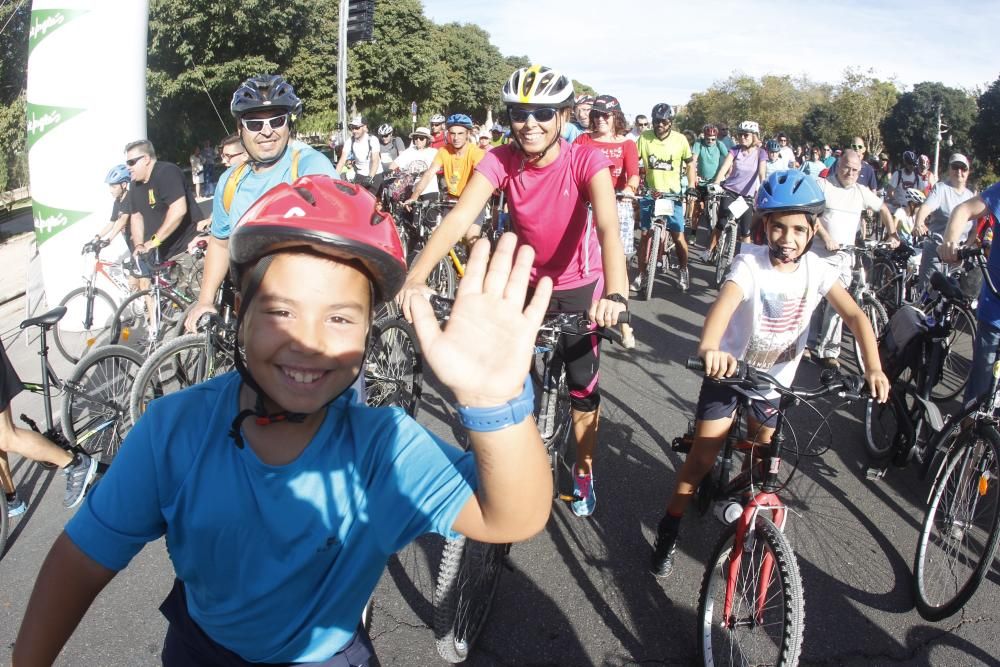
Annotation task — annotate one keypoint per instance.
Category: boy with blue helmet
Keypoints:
(762, 317)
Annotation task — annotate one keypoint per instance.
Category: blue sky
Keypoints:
(647, 52)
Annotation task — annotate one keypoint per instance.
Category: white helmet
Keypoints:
(749, 126)
(538, 84)
(915, 196)
(437, 119)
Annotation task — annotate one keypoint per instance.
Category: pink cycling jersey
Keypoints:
(549, 208)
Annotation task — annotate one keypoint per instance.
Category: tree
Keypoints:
(911, 125)
(986, 130)
(820, 124)
(13, 79)
(861, 103)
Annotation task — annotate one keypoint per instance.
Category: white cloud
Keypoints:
(647, 52)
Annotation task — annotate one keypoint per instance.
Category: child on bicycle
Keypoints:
(280, 522)
(761, 317)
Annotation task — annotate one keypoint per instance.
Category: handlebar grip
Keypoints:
(624, 317)
(969, 252)
(695, 363)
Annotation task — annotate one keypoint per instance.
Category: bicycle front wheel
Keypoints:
(131, 323)
(180, 363)
(767, 618)
(725, 249)
(879, 319)
(651, 256)
(85, 325)
(95, 409)
(957, 362)
(959, 536)
(888, 285)
(466, 586)
(881, 427)
(393, 367)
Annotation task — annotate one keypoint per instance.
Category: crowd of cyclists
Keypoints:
(312, 252)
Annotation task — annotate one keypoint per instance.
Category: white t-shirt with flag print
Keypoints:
(768, 329)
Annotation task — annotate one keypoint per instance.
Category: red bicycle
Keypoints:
(751, 606)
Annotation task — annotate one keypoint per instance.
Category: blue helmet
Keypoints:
(118, 174)
(790, 192)
(459, 119)
(772, 146)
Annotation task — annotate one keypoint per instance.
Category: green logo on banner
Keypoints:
(42, 118)
(50, 221)
(45, 21)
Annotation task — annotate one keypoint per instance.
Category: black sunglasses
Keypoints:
(542, 115)
(257, 124)
(134, 161)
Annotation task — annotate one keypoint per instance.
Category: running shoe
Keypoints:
(583, 488)
(684, 279)
(79, 475)
(16, 507)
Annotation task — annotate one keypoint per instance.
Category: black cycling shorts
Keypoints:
(743, 222)
(718, 401)
(10, 383)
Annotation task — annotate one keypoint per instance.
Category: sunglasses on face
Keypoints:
(542, 115)
(257, 124)
(958, 166)
(662, 121)
(134, 161)
(353, 127)
(857, 147)
(746, 134)
(599, 114)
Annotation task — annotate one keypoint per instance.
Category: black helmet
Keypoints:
(909, 159)
(265, 91)
(662, 111)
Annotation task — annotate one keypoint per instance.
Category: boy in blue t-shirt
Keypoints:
(280, 498)
(762, 318)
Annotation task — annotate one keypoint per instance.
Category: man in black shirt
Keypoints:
(163, 211)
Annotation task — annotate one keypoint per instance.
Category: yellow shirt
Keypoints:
(458, 168)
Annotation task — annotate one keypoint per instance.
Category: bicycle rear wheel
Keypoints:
(95, 409)
(180, 363)
(651, 255)
(958, 539)
(393, 366)
(881, 425)
(130, 324)
(725, 249)
(467, 583)
(888, 285)
(767, 620)
(879, 319)
(79, 331)
(957, 362)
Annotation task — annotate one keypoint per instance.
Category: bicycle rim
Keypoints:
(957, 363)
(95, 414)
(393, 373)
(767, 620)
(958, 539)
(881, 428)
(651, 255)
(725, 255)
(74, 336)
(443, 279)
(466, 586)
(878, 318)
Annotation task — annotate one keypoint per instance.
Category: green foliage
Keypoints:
(861, 102)
(14, 50)
(986, 130)
(819, 125)
(13, 130)
(912, 123)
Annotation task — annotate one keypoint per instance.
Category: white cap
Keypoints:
(958, 157)
(421, 131)
(357, 120)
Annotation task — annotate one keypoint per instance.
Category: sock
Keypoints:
(670, 524)
(75, 462)
(11, 497)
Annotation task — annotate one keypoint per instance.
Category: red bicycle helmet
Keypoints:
(710, 131)
(327, 216)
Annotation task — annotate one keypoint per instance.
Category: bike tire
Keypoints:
(879, 319)
(466, 585)
(95, 409)
(73, 338)
(443, 278)
(957, 363)
(882, 426)
(394, 366)
(129, 321)
(887, 283)
(778, 629)
(651, 254)
(725, 249)
(180, 363)
(967, 488)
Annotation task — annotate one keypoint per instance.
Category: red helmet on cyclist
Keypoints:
(710, 131)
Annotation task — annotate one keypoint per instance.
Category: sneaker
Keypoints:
(583, 488)
(78, 478)
(636, 285)
(684, 280)
(16, 507)
(661, 561)
(708, 257)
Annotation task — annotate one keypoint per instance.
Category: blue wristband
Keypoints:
(512, 412)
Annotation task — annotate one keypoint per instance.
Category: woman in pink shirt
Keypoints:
(548, 184)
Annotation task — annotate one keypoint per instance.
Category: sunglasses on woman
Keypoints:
(257, 124)
(541, 115)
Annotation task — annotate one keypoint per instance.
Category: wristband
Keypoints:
(485, 420)
(153, 242)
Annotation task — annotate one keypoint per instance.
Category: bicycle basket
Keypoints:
(900, 345)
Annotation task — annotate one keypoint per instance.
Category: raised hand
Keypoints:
(483, 353)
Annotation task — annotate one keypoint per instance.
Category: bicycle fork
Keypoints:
(743, 543)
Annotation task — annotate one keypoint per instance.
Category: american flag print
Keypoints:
(783, 320)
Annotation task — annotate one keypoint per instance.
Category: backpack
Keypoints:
(236, 175)
(900, 345)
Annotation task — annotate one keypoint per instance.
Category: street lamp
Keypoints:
(942, 129)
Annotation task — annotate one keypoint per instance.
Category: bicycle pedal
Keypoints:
(681, 445)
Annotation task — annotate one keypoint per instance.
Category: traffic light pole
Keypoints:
(342, 71)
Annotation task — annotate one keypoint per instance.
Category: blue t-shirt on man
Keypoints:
(277, 561)
(252, 184)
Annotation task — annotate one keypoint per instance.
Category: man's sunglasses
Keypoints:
(257, 124)
(541, 115)
(134, 161)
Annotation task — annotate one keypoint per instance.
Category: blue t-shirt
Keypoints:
(252, 185)
(989, 305)
(571, 131)
(277, 561)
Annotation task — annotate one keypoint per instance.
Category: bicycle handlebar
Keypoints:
(975, 253)
(852, 387)
(94, 246)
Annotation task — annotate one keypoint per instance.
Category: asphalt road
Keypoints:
(579, 593)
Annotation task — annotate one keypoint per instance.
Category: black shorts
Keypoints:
(718, 401)
(743, 222)
(187, 645)
(10, 383)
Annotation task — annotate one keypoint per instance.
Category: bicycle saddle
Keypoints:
(45, 320)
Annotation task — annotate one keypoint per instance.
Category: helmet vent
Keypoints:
(308, 196)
